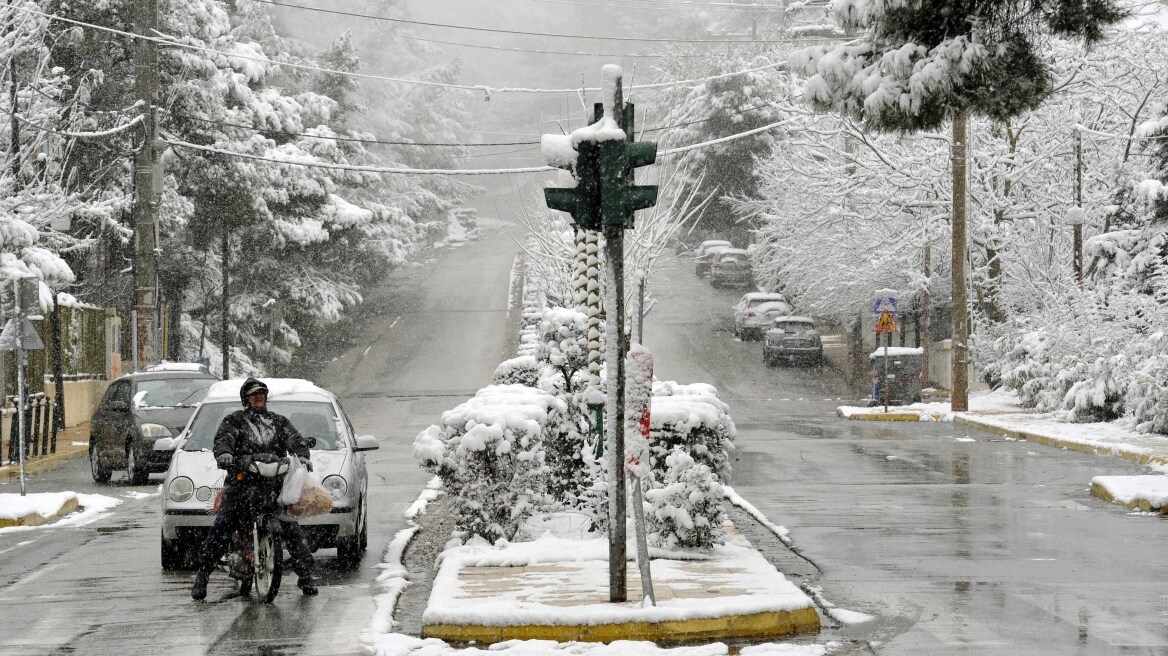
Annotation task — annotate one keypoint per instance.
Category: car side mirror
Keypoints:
(166, 444)
(367, 443)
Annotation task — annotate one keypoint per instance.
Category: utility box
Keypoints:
(904, 375)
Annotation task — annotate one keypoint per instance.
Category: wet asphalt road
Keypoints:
(958, 542)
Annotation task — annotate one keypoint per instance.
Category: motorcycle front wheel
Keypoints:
(268, 566)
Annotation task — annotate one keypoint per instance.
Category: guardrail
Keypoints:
(41, 430)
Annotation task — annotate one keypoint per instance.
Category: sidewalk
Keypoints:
(557, 589)
(71, 442)
(1000, 413)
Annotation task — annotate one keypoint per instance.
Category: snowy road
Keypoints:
(959, 542)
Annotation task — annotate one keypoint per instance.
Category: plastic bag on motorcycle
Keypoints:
(293, 485)
(314, 499)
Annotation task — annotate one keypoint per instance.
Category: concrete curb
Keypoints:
(1098, 490)
(37, 519)
(885, 416)
(775, 624)
(1118, 451)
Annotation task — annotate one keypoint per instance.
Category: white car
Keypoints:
(338, 462)
(705, 254)
(756, 311)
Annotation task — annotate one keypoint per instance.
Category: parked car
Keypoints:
(756, 312)
(338, 462)
(731, 267)
(705, 254)
(792, 339)
(138, 409)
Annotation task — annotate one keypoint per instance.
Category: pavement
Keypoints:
(730, 594)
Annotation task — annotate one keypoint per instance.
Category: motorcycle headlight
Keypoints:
(155, 431)
(181, 489)
(336, 486)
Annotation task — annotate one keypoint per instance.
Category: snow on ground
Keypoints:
(91, 508)
(1129, 489)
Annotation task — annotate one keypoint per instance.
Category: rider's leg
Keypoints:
(216, 543)
(302, 560)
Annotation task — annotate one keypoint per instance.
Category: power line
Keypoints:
(492, 30)
(166, 39)
(415, 143)
(409, 171)
(683, 7)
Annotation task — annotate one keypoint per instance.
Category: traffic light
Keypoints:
(582, 201)
(605, 193)
(620, 197)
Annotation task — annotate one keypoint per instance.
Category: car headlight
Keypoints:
(155, 431)
(181, 489)
(337, 486)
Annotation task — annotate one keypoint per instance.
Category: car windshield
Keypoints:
(312, 418)
(171, 392)
(794, 326)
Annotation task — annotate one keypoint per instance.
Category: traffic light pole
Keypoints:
(604, 199)
(614, 412)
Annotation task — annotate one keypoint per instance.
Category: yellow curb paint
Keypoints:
(36, 519)
(1047, 440)
(1098, 490)
(886, 416)
(773, 624)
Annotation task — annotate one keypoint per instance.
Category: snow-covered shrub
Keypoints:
(1148, 393)
(489, 453)
(564, 342)
(685, 512)
(523, 370)
(693, 418)
(1080, 355)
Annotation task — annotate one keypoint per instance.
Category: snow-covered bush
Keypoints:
(685, 512)
(693, 418)
(564, 343)
(522, 370)
(489, 454)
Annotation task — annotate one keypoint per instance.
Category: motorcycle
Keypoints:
(255, 557)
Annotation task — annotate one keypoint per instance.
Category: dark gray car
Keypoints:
(138, 409)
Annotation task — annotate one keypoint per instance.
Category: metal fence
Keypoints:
(40, 429)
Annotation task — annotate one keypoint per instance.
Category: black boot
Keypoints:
(199, 589)
(307, 584)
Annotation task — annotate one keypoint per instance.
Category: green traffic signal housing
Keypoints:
(582, 201)
(605, 193)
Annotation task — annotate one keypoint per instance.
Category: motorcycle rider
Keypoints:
(241, 434)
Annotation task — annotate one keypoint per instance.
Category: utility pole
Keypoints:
(959, 365)
(1078, 215)
(145, 201)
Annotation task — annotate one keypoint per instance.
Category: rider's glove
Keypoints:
(225, 460)
(306, 462)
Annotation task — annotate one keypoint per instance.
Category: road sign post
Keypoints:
(19, 335)
(885, 325)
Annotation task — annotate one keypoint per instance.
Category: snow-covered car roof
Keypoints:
(192, 367)
(769, 296)
(773, 306)
(278, 388)
(733, 251)
(797, 319)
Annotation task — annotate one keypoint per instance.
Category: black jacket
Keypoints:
(249, 431)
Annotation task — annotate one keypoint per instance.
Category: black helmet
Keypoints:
(249, 387)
